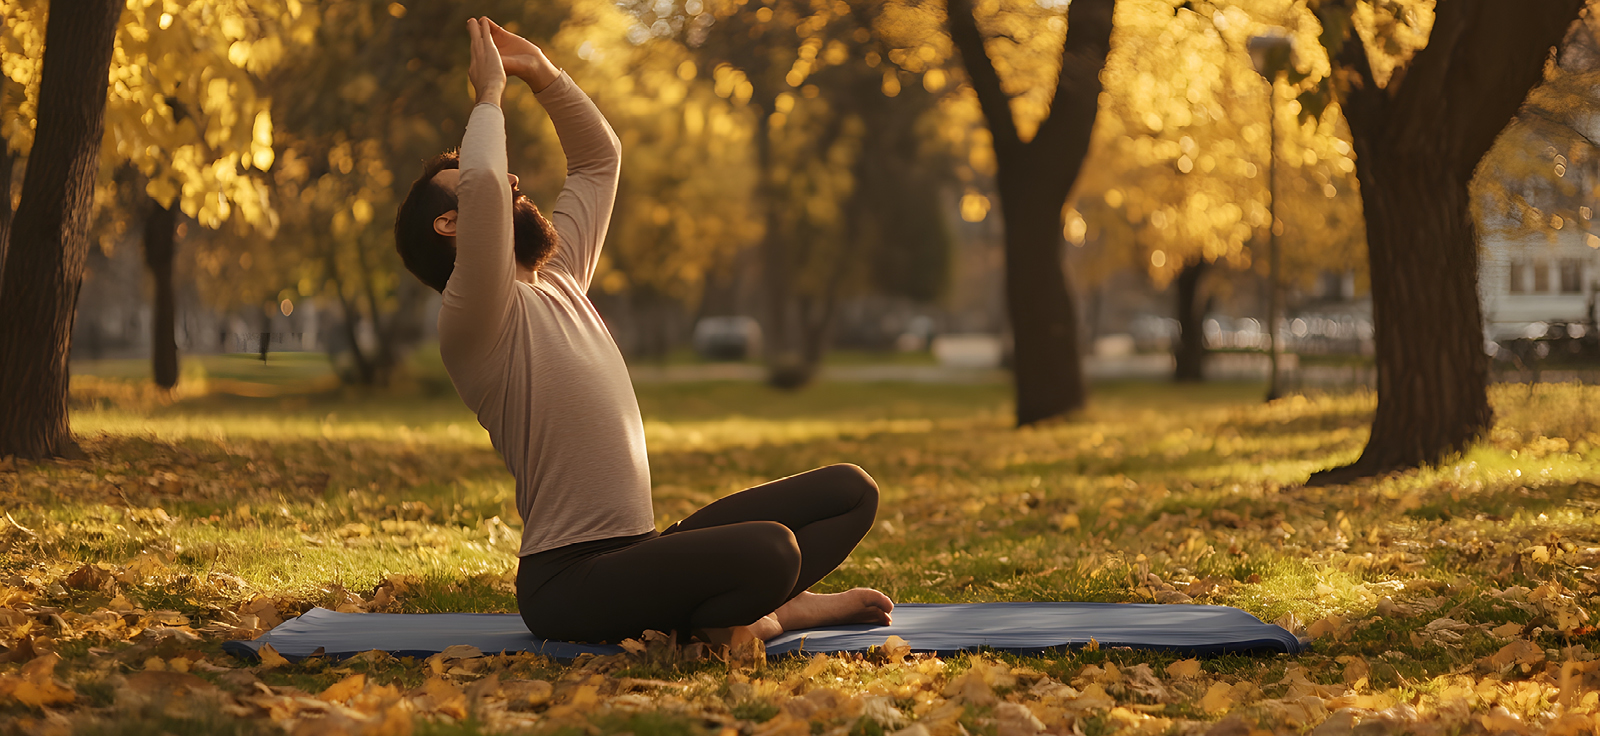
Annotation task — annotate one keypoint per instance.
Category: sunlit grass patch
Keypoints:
(227, 511)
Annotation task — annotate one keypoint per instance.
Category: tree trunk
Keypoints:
(1189, 354)
(1034, 178)
(160, 236)
(264, 345)
(784, 364)
(402, 330)
(1427, 324)
(350, 317)
(8, 162)
(39, 289)
(1043, 315)
(1417, 145)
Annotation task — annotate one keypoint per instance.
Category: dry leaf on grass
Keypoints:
(1507, 630)
(1218, 698)
(895, 649)
(461, 651)
(971, 688)
(1521, 652)
(526, 694)
(1184, 668)
(35, 686)
(1356, 669)
(270, 658)
(345, 689)
(1093, 697)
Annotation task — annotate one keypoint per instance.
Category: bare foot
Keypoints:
(856, 606)
(733, 637)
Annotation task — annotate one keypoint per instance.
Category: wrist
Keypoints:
(491, 95)
(541, 76)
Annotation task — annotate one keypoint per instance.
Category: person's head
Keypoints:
(425, 225)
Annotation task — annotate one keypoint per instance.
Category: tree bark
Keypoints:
(160, 242)
(1034, 178)
(1417, 144)
(39, 289)
(365, 371)
(8, 162)
(1046, 363)
(1189, 354)
(784, 369)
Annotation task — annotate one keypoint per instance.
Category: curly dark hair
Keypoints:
(431, 257)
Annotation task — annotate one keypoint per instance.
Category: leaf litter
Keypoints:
(1435, 618)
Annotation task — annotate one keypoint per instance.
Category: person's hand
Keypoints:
(522, 58)
(487, 74)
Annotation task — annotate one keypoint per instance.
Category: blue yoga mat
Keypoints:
(1020, 628)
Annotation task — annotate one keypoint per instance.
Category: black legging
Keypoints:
(728, 564)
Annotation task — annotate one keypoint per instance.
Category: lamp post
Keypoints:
(1272, 52)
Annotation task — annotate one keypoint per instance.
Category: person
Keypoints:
(529, 354)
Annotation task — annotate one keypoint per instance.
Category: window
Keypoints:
(1541, 276)
(1571, 276)
(1519, 277)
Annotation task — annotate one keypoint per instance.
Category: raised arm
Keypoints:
(594, 156)
(478, 297)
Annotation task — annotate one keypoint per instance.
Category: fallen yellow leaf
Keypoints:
(895, 649)
(344, 689)
(1218, 698)
(1500, 720)
(1506, 631)
(1184, 668)
(970, 688)
(1521, 651)
(1328, 625)
(270, 657)
(1093, 697)
(40, 694)
(1356, 669)
(36, 685)
(815, 667)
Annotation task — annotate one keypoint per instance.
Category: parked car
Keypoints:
(727, 338)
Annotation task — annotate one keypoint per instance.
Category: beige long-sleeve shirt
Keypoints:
(535, 361)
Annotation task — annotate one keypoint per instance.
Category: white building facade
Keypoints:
(1538, 280)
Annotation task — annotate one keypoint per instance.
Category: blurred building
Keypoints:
(1534, 282)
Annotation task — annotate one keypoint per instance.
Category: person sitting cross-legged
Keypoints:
(529, 354)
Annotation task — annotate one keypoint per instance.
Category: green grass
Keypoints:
(306, 497)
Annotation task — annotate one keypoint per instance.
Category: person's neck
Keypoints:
(527, 275)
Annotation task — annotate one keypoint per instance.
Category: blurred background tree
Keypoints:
(1040, 134)
(1178, 177)
(847, 180)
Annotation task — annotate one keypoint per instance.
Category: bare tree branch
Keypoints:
(980, 70)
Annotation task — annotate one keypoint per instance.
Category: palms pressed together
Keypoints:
(520, 56)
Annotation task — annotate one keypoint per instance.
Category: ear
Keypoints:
(445, 224)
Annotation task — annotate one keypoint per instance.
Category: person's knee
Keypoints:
(775, 544)
(850, 475)
(775, 555)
